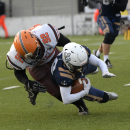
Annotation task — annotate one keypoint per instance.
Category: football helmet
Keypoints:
(75, 57)
(28, 46)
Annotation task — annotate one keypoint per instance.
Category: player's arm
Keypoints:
(68, 98)
(62, 40)
(122, 5)
(34, 85)
(21, 76)
(97, 62)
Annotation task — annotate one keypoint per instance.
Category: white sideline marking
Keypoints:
(7, 78)
(111, 52)
(127, 84)
(10, 87)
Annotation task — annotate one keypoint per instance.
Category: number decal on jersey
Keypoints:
(106, 2)
(45, 38)
(18, 58)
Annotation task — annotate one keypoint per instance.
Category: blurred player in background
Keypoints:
(96, 13)
(2, 18)
(35, 50)
(109, 22)
(72, 63)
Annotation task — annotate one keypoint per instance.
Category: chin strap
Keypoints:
(7, 66)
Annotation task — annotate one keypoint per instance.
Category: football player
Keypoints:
(72, 63)
(35, 50)
(109, 20)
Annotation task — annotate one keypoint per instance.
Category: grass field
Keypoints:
(16, 113)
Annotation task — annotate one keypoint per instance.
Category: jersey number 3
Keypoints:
(45, 38)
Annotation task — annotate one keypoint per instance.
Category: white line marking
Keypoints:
(127, 84)
(111, 52)
(7, 78)
(10, 87)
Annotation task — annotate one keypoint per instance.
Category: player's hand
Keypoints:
(84, 2)
(108, 75)
(36, 86)
(86, 86)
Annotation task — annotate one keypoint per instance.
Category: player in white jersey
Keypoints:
(35, 50)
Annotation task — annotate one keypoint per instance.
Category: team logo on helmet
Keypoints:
(67, 56)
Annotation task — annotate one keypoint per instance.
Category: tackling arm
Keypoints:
(21, 76)
(62, 40)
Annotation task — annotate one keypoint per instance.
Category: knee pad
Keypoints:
(109, 38)
(105, 98)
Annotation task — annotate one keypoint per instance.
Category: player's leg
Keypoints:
(90, 69)
(100, 96)
(4, 26)
(107, 26)
(54, 90)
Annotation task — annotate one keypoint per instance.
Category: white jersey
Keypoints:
(48, 36)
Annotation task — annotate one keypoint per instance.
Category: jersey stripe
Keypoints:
(21, 42)
(94, 97)
(54, 31)
(61, 69)
(66, 75)
(12, 64)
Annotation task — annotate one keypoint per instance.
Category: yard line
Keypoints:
(111, 52)
(127, 84)
(7, 78)
(10, 87)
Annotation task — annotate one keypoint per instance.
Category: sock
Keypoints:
(105, 57)
(105, 98)
(98, 53)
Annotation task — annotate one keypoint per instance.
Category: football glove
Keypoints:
(86, 86)
(108, 75)
(35, 86)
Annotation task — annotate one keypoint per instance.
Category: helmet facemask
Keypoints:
(35, 57)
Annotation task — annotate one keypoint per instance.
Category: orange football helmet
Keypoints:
(26, 44)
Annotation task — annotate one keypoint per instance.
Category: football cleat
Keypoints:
(108, 63)
(83, 111)
(32, 95)
(112, 96)
(94, 53)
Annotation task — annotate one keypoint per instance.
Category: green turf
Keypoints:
(16, 113)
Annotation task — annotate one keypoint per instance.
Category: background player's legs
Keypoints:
(4, 26)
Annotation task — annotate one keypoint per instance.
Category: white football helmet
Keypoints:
(74, 56)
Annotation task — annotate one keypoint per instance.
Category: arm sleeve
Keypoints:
(122, 5)
(69, 98)
(62, 40)
(21, 76)
(97, 62)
